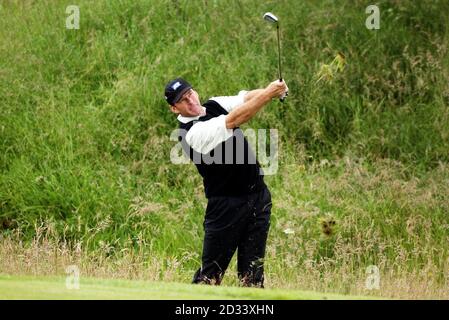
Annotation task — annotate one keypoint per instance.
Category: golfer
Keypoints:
(239, 203)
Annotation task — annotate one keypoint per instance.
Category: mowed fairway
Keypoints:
(26, 287)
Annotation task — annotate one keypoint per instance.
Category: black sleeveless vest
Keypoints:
(231, 168)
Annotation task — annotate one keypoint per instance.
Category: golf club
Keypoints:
(271, 18)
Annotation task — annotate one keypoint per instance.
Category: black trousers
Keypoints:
(235, 223)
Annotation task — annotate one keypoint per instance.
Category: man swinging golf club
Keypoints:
(239, 203)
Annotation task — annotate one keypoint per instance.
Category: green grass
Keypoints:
(46, 288)
(84, 135)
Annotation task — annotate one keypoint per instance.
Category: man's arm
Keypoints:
(254, 101)
(204, 136)
(251, 94)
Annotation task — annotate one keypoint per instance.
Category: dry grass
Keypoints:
(45, 257)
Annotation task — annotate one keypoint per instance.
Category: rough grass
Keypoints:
(382, 217)
(363, 173)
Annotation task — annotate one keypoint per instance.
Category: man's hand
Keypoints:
(277, 89)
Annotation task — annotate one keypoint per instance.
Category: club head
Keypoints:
(270, 17)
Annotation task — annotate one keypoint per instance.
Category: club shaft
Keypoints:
(279, 53)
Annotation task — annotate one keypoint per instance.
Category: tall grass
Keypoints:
(84, 130)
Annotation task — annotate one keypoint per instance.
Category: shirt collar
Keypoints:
(188, 119)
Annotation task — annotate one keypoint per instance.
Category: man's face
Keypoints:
(189, 105)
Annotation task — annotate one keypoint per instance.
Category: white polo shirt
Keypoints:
(204, 136)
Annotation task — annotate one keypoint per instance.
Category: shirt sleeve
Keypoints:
(204, 136)
(230, 102)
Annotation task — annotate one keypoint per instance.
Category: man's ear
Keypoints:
(174, 109)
